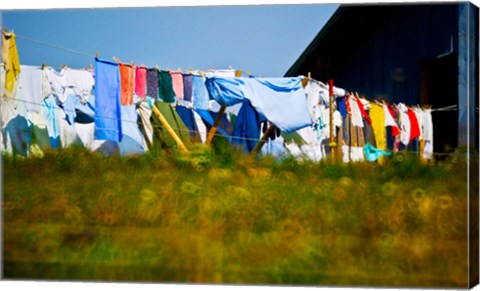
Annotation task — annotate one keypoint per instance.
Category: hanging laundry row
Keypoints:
(361, 126)
(129, 109)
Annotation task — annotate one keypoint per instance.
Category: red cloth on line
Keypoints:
(362, 110)
(141, 81)
(414, 127)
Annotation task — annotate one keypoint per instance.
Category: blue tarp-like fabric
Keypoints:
(281, 100)
(108, 125)
(246, 131)
(226, 91)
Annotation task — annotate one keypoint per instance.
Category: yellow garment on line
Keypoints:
(11, 60)
(377, 115)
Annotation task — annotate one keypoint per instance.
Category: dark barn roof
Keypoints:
(354, 31)
(415, 53)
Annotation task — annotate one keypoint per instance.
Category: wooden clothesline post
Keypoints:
(213, 130)
(263, 140)
(170, 130)
(332, 141)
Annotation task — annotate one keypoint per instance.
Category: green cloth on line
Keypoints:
(174, 120)
(293, 137)
(165, 87)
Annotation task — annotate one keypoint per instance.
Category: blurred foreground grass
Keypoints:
(228, 218)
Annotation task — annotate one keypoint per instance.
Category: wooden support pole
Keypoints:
(170, 130)
(349, 138)
(332, 141)
(263, 140)
(213, 130)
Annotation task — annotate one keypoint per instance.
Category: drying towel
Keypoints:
(187, 87)
(199, 93)
(108, 125)
(177, 82)
(140, 81)
(165, 87)
(152, 83)
(127, 81)
(11, 60)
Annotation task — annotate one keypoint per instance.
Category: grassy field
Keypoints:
(223, 217)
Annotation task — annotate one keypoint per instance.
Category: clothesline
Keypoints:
(93, 56)
(446, 108)
(56, 46)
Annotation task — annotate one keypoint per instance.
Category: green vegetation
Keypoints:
(223, 217)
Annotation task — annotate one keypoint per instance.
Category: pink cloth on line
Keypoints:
(177, 82)
(140, 81)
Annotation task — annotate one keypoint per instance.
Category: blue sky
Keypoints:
(263, 39)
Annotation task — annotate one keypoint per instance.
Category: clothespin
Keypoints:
(91, 67)
(96, 54)
(5, 29)
(63, 66)
(44, 66)
(248, 73)
(157, 67)
(306, 79)
(179, 70)
(238, 73)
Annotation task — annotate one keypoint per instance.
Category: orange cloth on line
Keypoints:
(11, 60)
(127, 84)
(177, 82)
